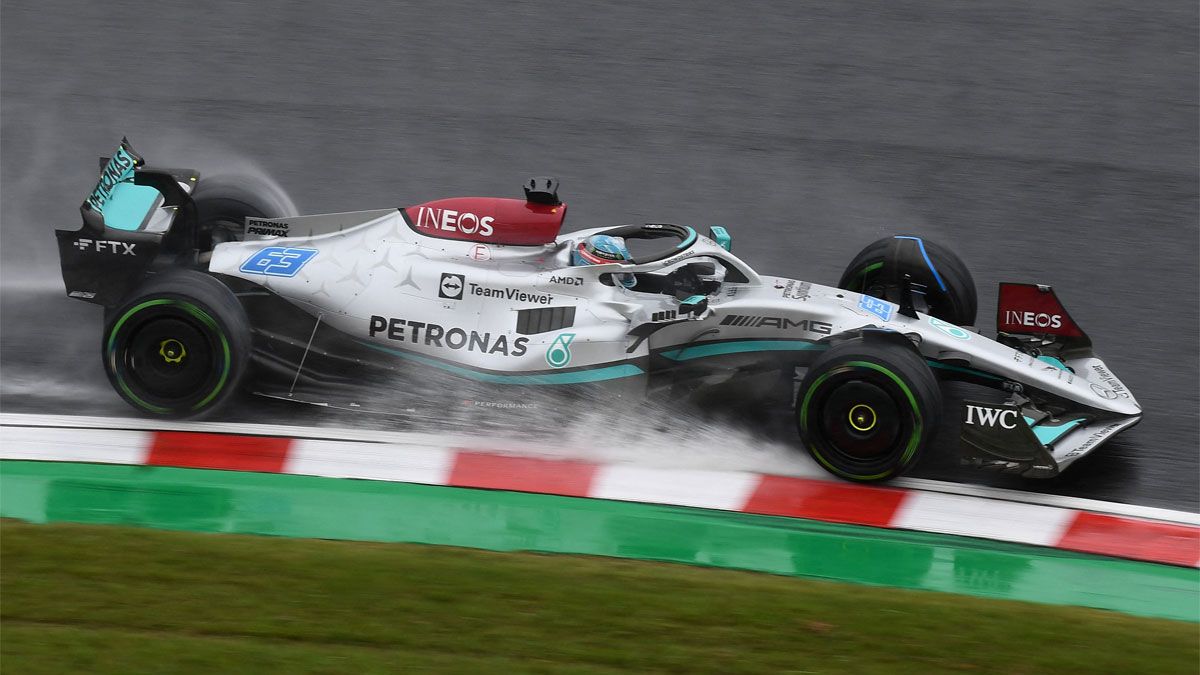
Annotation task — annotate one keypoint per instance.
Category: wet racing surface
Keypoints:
(1052, 144)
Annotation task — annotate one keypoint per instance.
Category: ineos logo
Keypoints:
(1033, 320)
(449, 220)
(989, 417)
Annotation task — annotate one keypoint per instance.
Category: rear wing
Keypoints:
(134, 219)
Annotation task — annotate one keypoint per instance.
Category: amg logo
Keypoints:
(978, 415)
(667, 315)
(449, 220)
(102, 245)
(780, 322)
(1033, 320)
(567, 281)
(266, 228)
(433, 335)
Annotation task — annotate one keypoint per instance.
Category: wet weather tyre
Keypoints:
(950, 289)
(180, 346)
(866, 409)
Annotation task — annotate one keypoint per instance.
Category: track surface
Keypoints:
(1051, 143)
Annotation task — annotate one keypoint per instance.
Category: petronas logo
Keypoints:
(559, 353)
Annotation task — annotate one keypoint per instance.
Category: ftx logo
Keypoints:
(105, 246)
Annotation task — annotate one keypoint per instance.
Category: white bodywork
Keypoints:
(371, 266)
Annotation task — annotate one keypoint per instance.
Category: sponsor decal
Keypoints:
(1103, 392)
(1110, 381)
(119, 168)
(105, 246)
(1033, 319)
(278, 261)
(558, 354)
(435, 335)
(86, 295)
(567, 281)
(451, 286)
(480, 252)
(504, 405)
(667, 315)
(983, 416)
(780, 322)
(731, 291)
(796, 290)
(682, 256)
(266, 228)
(880, 308)
(449, 220)
(949, 329)
(1093, 440)
(511, 294)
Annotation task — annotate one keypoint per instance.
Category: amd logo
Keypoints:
(567, 281)
(104, 245)
(449, 220)
(978, 415)
(780, 322)
(1033, 319)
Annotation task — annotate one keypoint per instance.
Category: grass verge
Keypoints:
(104, 599)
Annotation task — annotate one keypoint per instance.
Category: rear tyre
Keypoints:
(179, 346)
(224, 202)
(950, 289)
(866, 409)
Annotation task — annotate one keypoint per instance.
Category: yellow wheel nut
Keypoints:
(171, 350)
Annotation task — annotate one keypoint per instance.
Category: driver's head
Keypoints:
(601, 249)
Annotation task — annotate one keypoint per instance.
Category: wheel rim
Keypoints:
(168, 356)
(861, 421)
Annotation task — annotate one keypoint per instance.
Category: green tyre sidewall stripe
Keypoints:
(194, 311)
(914, 440)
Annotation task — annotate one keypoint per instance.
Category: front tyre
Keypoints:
(867, 409)
(179, 346)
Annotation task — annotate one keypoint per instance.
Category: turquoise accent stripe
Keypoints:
(572, 377)
(1048, 434)
(705, 350)
(691, 239)
(128, 205)
(1054, 362)
(960, 369)
(921, 245)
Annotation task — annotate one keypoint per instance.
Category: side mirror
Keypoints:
(694, 306)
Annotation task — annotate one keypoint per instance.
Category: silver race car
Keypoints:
(207, 293)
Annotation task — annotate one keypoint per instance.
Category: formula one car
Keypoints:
(207, 293)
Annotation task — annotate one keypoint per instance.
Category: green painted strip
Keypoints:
(306, 506)
(704, 350)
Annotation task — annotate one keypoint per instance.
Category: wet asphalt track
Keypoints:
(1049, 142)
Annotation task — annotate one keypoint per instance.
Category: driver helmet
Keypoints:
(602, 249)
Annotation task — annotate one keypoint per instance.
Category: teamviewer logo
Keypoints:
(451, 286)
